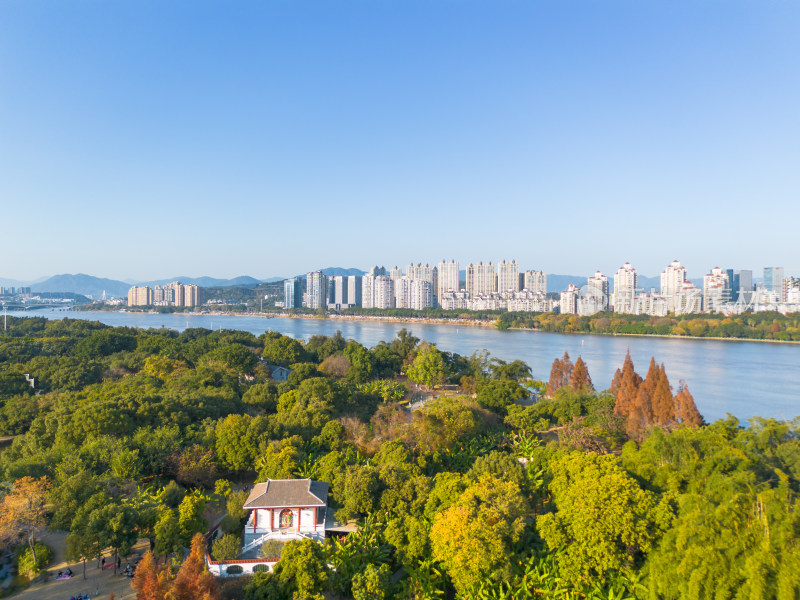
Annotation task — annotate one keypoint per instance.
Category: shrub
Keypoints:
(272, 548)
(25, 563)
(226, 548)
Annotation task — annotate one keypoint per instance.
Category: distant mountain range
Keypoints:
(85, 285)
(243, 280)
(88, 285)
(335, 271)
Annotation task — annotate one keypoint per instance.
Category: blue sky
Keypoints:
(149, 139)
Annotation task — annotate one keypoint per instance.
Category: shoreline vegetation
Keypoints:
(763, 327)
(135, 434)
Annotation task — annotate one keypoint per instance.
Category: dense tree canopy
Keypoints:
(477, 489)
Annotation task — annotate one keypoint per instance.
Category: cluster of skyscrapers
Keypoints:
(726, 291)
(487, 286)
(12, 291)
(425, 286)
(171, 294)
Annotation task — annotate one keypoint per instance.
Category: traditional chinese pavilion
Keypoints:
(285, 509)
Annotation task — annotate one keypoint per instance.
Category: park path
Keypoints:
(98, 584)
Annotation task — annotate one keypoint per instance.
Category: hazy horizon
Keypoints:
(145, 140)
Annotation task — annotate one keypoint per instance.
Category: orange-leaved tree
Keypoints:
(151, 581)
(580, 379)
(560, 374)
(625, 387)
(22, 512)
(685, 410)
(193, 581)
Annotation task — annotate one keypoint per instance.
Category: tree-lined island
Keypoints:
(446, 475)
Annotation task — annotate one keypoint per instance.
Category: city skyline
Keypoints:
(259, 129)
(587, 271)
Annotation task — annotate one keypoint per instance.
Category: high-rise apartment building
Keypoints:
(745, 286)
(382, 292)
(354, 290)
(688, 299)
(338, 289)
(376, 289)
(420, 294)
(395, 274)
(597, 288)
(448, 278)
(292, 293)
(536, 282)
(773, 279)
(791, 290)
(171, 294)
(140, 296)
(625, 283)
(179, 294)
(402, 292)
(715, 290)
(481, 279)
(508, 276)
(733, 284)
(367, 291)
(420, 272)
(569, 300)
(164, 295)
(316, 290)
(672, 279)
(191, 295)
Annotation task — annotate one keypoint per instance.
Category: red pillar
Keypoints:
(255, 520)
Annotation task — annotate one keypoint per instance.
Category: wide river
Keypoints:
(741, 378)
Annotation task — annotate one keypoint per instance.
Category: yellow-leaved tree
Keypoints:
(474, 537)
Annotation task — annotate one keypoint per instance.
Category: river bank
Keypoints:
(452, 322)
(741, 379)
(326, 317)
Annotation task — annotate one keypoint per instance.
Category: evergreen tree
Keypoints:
(580, 379)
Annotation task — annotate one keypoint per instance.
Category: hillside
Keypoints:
(86, 285)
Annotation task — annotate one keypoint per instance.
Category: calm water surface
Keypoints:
(741, 378)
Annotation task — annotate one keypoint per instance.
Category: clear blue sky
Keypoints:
(147, 139)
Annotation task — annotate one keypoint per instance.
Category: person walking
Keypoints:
(103, 563)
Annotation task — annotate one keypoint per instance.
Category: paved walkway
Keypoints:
(98, 584)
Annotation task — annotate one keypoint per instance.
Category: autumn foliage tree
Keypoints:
(685, 410)
(193, 581)
(22, 512)
(580, 381)
(560, 374)
(625, 386)
(649, 401)
(150, 581)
